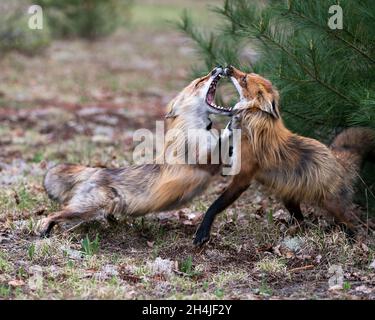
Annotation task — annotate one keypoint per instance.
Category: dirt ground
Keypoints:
(80, 102)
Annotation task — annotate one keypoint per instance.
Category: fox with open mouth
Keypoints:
(87, 193)
(295, 168)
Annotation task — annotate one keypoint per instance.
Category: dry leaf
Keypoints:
(16, 283)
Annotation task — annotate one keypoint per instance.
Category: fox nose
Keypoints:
(217, 70)
(228, 71)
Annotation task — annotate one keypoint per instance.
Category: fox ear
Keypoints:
(170, 114)
(271, 108)
(275, 109)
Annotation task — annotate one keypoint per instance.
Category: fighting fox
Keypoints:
(87, 193)
(295, 168)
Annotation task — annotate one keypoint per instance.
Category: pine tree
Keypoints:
(325, 76)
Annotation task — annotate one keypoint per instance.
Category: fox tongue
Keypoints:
(210, 97)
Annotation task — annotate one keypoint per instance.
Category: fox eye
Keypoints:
(199, 82)
(243, 80)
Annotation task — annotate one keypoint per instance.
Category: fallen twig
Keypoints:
(308, 267)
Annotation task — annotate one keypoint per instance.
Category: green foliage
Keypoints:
(270, 216)
(265, 289)
(5, 291)
(38, 157)
(31, 251)
(89, 247)
(4, 264)
(25, 199)
(219, 293)
(85, 18)
(188, 268)
(187, 265)
(14, 30)
(326, 77)
(89, 19)
(346, 286)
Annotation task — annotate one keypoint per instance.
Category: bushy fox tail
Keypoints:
(354, 146)
(60, 180)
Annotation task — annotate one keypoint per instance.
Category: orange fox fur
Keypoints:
(87, 193)
(295, 168)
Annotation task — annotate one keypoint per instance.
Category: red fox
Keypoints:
(87, 193)
(293, 167)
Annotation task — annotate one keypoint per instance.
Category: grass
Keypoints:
(347, 286)
(4, 264)
(5, 291)
(188, 268)
(90, 247)
(42, 124)
(265, 289)
(271, 266)
(31, 251)
(143, 13)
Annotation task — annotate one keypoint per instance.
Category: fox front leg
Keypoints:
(231, 194)
(240, 182)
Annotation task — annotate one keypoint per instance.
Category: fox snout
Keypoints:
(231, 71)
(217, 70)
(228, 71)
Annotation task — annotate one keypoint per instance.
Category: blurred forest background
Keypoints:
(76, 91)
(326, 76)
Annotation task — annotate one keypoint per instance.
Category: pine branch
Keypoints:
(308, 71)
(261, 33)
(313, 58)
(332, 77)
(309, 119)
(334, 34)
(185, 25)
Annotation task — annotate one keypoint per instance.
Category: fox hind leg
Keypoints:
(294, 209)
(49, 222)
(340, 214)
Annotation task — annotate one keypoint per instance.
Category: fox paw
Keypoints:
(201, 237)
(45, 228)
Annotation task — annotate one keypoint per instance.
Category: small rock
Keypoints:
(293, 243)
(35, 282)
(318, 258)
(101, 139)
(110, 269)
(16, 283)
(336, 281)
(4, 238)
(109, 120)
(335, 287)
(192, 218)
(281, 215)
(89, 111)
(35, 269)
(107, 272)
(363, 289)
(71, 253)
(364, 247)
(161, 266)
(54, 271)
